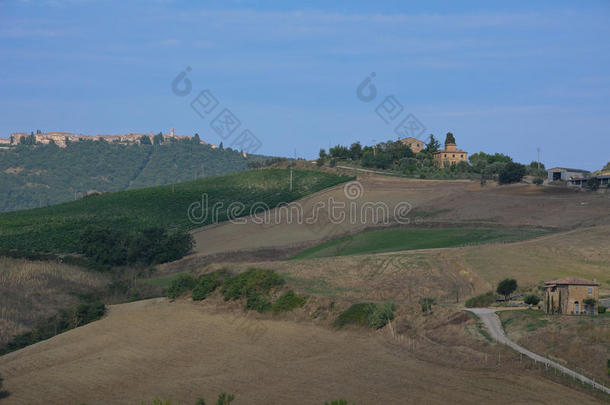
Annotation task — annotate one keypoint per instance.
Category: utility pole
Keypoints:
(538, 149)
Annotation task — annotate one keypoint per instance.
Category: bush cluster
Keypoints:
(254, 285)
(252, 281)
(367, 314)
(65, 320)
(288, 301)
(154, 245)
(180, 285)
(483, 300)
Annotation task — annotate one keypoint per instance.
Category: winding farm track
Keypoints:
(494, 326)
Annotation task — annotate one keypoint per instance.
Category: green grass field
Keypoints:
(58, 228)
(390, 240)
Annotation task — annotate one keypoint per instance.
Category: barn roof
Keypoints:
(571, 281)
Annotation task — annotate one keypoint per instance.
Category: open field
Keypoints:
(183, 350)
(32, 290)
(58, 228)
(581, 343)
(392, 240)
(458, 203)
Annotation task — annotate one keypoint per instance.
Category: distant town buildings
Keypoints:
(61, 138)
(571, 295)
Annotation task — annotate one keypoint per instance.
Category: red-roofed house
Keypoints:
(571, 295)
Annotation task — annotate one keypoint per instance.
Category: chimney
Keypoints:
(172, 132)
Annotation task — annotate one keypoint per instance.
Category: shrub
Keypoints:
(200, 401)
(259, 302)
(538, 181)
(601, 310)
(206, 284)
(482, 300)
(337, 402)
(381, 315)
(357, 314)
(589, 301)
(367, 314)
(225, 399)
(531, 299)
(249, 282)
(180, 285)
(288, 302)
(426, 304)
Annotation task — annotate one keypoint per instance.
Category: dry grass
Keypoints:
(434, 202)
(578, 342)
(184, 350)
(32, 290)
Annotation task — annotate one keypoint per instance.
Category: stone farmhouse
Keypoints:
(451, 155)
(415, 144)
(571, 295)
(61, 138)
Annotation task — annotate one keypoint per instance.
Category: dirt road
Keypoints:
(494, 326)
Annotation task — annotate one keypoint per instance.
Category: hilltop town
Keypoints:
(61, 139)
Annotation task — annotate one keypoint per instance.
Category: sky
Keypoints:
(506, 77)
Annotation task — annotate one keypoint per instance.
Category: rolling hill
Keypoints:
(41, 175)
(57, 228)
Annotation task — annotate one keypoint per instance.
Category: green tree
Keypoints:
(355, 151)
(196, 139)
(593, 183)
(322, 154)
(506, 287)
(145, 140)
(511, 173)
(449, 138)
(433, 145)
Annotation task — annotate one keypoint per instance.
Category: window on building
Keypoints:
(454, 155)
(589, 290)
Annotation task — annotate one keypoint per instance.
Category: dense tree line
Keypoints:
(397, 156)
(39, 175)
(112, 247)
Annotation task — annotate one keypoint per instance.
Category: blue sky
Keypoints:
(502, 76)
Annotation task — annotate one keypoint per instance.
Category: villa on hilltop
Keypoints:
(571, 295)
(415, 144)
(62, 138)
(451, 155)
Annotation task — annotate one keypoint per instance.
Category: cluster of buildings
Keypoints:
(62, 138)
(576, 177)
(447, 157)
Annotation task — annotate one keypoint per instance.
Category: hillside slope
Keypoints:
(183, 206)
(41, 175)
(435, 203)
(182, 351)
